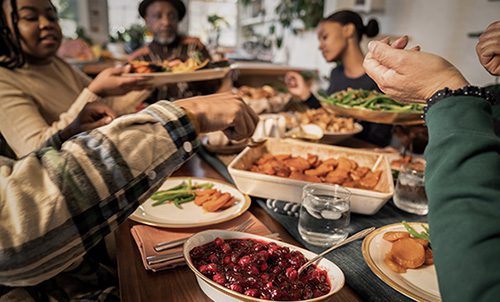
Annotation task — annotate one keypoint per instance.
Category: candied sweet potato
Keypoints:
(320, 171)
(392, 264)
(300, 176)
(393, 236)
(429, 258)
(370, 180)
(297, 164)
(408, 253)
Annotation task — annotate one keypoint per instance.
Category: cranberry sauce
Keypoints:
(259, 269)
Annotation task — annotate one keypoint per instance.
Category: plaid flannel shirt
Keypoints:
(55, 205)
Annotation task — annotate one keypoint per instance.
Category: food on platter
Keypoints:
(213, 200)
(260, 269)
(409, 162)
(370, 100)
(342, 171)
(329, 122)
(174, 66)
(410, 250)
(203, 194)
(263, 99)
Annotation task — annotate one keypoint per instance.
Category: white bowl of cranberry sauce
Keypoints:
(233, 266)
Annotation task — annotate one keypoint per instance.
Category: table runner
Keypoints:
(349, 258)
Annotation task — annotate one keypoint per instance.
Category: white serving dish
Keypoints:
(219, 293)
(267, 186)
(336, 137)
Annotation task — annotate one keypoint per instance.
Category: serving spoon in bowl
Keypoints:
(354, 237)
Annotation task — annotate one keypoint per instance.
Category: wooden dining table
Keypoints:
(179, 284)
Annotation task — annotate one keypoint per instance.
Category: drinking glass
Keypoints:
(324, 214)
(409, 194)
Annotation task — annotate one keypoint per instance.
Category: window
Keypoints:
(68, 16)
(200, 10)
(122, 14)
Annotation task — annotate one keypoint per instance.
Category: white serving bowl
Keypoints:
(336, 137)
(219, 293)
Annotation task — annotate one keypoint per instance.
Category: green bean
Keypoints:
(371, 100)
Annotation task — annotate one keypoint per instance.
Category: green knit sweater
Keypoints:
(463, 187)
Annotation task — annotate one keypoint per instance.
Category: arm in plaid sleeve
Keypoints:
(56, 205)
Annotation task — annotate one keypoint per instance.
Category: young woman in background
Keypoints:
(339, 38)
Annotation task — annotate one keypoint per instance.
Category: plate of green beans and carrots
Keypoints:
(183, 202)
(372, 106)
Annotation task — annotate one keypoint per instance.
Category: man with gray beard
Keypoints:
(162, 19)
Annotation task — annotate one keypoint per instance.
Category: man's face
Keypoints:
(162, 20)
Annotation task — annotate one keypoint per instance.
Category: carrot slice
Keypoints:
(214, 205)
(205, 192)
(393, 236)
(229, 203)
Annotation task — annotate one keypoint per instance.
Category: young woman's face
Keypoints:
(332, 40)
(39, 30)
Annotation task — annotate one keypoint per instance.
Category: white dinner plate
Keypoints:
(418, 284)
(162, 78)
(169, 216)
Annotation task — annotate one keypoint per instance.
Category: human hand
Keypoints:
(224, 111)
(109, 82)
(409, 75)
(93, 115)
(399, 43)
(297, 85)
(488, 48)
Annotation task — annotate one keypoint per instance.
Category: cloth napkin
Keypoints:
(146, 237)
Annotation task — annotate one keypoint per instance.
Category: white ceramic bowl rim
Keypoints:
(336, 284)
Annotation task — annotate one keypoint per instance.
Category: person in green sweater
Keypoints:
(463, 161)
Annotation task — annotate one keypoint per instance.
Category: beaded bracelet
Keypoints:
(466, 90)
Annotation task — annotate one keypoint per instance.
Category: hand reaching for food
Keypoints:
(110, 82)
(221, 112)
(297, 85)
(92, 116)
(488, 48)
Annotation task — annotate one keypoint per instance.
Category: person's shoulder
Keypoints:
(10, 77)
(141, 52)
(339, 69)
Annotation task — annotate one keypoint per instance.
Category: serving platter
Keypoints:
(363, 201)
(162, 78)
(382, 117)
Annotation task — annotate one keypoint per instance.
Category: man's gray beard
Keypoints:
(166, 41)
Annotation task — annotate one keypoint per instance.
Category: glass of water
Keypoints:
(325, 214)
(409, 194)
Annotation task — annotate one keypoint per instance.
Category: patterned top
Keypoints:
(55, 205)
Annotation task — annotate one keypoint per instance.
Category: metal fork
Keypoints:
(178, 255)
(174, 243)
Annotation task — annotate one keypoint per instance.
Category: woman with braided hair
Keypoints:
(40, 94)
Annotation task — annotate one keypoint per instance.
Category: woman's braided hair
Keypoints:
(11, 54)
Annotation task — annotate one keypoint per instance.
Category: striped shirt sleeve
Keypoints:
(57, 204)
